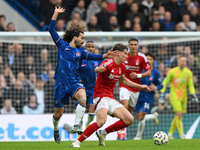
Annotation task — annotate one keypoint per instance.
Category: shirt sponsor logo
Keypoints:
(84, 65)
(113, 77)
(67, 49)
(131, 67)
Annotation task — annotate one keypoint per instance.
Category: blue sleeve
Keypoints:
(91, 56)
(159, 81)
(57, 40)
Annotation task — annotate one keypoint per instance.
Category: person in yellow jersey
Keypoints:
(179, 78)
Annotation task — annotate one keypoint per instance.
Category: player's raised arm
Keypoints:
(52, 25)
(129, 83)
(57, 11)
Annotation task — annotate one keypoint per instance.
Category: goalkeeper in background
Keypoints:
(180, 78)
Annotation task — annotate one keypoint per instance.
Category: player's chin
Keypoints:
(123, 61)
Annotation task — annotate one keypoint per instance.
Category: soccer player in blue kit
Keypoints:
(145, 99)
(88, 78)
(69, 58)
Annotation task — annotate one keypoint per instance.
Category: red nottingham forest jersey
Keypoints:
(135, 64)
(105, 82)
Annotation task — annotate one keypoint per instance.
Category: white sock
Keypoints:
(141, 125)
(77, 141)
(80, 110)
(55, 124)
(104, 132)
(149, 117)
(90, 118)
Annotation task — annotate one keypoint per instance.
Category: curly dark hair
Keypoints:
(73, 31)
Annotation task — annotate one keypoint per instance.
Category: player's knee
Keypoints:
(58, 115)
(82, 100)
(100, 122)
(129, 120)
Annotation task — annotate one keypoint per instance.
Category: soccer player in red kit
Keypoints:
(135, 63)
(109, 72)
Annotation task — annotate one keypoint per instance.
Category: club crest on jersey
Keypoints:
(137, 62)
(84, 65)
(78, 54)
(96, 64)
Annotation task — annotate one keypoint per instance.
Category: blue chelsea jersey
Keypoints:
(87, 74)
(69, 59)
(156, 79)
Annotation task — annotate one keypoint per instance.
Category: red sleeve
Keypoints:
(104, 64)
(145, 64)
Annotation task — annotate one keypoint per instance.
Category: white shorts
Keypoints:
(125, 94)
(105, 102)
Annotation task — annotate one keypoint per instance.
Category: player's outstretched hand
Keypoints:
(110, 54)
(145, 88)
(59, 9)
(152, 87)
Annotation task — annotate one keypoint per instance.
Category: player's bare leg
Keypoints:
(126, 119)
(56, 118)
(121, 134)
(80, 95)
(101, 117)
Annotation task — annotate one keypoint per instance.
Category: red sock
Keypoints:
(88, 131)
(116, 126)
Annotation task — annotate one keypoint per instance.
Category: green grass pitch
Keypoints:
(175, 144)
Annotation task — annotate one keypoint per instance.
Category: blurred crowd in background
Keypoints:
(115, 15)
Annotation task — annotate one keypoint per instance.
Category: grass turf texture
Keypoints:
(175, 144)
